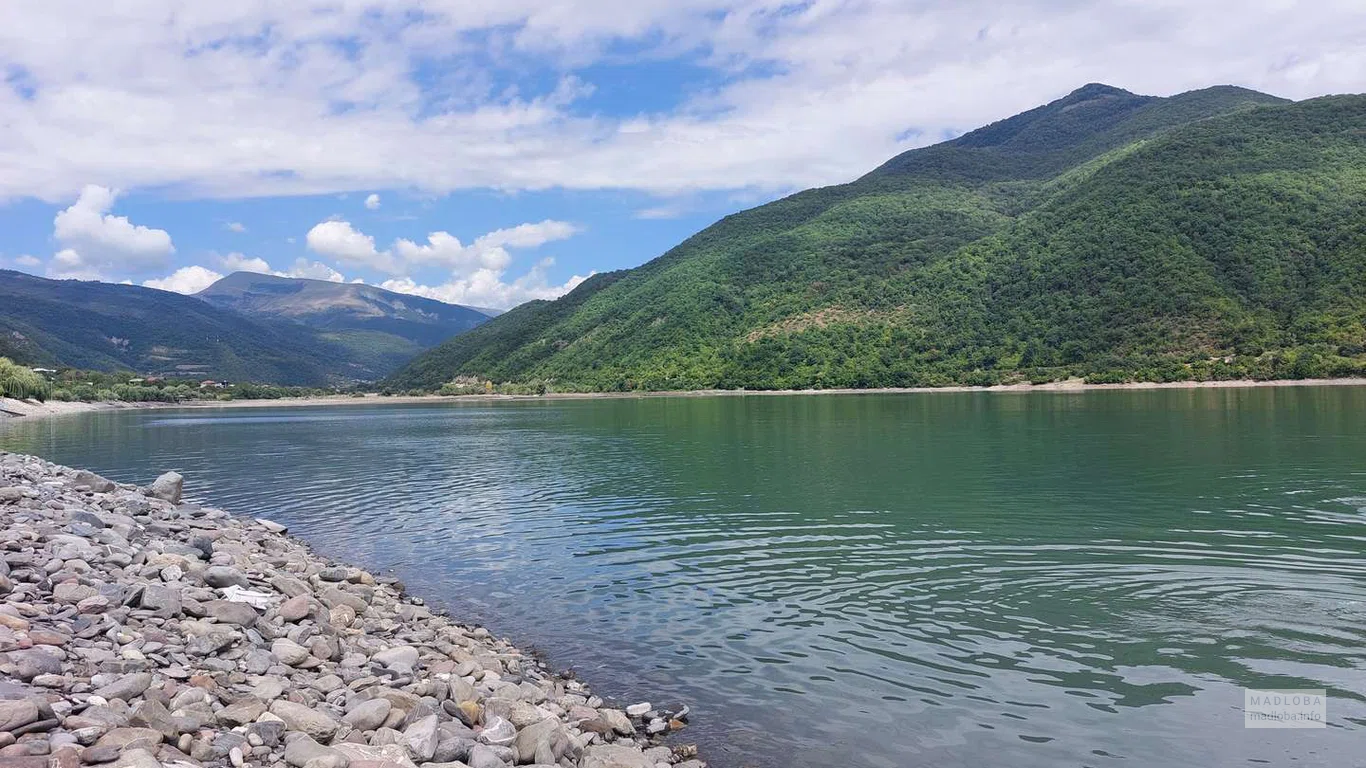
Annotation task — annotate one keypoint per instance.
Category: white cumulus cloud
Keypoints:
(315, 270)
(236, 226)
(340, 241)
(486, 287)
(239, 262)
(372, 202)
(187, 280)
(476, 272)
(96, 242)
(444, 249)
(320, 96)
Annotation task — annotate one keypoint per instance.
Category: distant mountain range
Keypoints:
(1214, 234)
(380, 329)
(245, 327)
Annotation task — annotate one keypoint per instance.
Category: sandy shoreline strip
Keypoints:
(29, 409)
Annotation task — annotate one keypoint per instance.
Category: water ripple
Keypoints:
(863, 582)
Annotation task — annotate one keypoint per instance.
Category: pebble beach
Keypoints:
(137, 630)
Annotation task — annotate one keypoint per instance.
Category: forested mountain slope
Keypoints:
(1214, 234)
(102, 326)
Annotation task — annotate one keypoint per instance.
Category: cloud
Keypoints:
(340, 241)
(95, 241)
(315, 270)
(187, 280)
(238, 262)
(485, 287)
(528, 235)
(67, 264)
(235, 226)
(372, 202)
(444, 249)
(475, 271)
(28, 260)
(317, 96)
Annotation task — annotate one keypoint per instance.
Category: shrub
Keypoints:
(21, 383)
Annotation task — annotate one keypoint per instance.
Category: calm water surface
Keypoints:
(855, 581)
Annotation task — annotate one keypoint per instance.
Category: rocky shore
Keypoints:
(138, 631)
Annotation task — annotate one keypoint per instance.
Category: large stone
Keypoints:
(168, 487)
(152, 714)
(532, 739)
(498, 732)
(92, 755)
(268, 731)
(71, 592)
(335, 596)
(130, 738)
(136, 758)
(521, 714)
(14, 714)
(295, 608)
(289, 586)
(453, 748)
(400, 699)
(368, 715)
(126, 687)
(89, 481)
(244, 711)
(33, 662)
(219, 576)
(401, 657)
(614, 756)
(483, 757)
(211, 643)
(231, 612)
(618, 720)
(301, 750)
(421, 738)
(461, 689)
(385, 756)
(289, 652)
(317, 724)
(164, 600)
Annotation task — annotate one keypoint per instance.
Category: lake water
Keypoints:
(856, 581)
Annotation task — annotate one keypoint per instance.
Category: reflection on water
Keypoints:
(939, 580)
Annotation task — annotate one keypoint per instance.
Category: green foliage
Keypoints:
(74, 385)
(1213, 235)
(20, 383)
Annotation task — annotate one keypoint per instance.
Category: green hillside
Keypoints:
(1215, 234)
(101, 326)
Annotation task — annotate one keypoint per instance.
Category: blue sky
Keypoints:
(491, 152)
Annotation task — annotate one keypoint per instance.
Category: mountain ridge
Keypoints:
(339, 334)
(935, 267)
(106, 326)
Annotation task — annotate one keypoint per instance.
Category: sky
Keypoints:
(488, 152)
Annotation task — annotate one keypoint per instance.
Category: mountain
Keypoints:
(103, 326)
(1214, 234)
(381, 328)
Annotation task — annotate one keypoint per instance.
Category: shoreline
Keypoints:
(10, 408)
(175, 634)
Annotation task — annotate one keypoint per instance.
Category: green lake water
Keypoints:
(858, 581)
